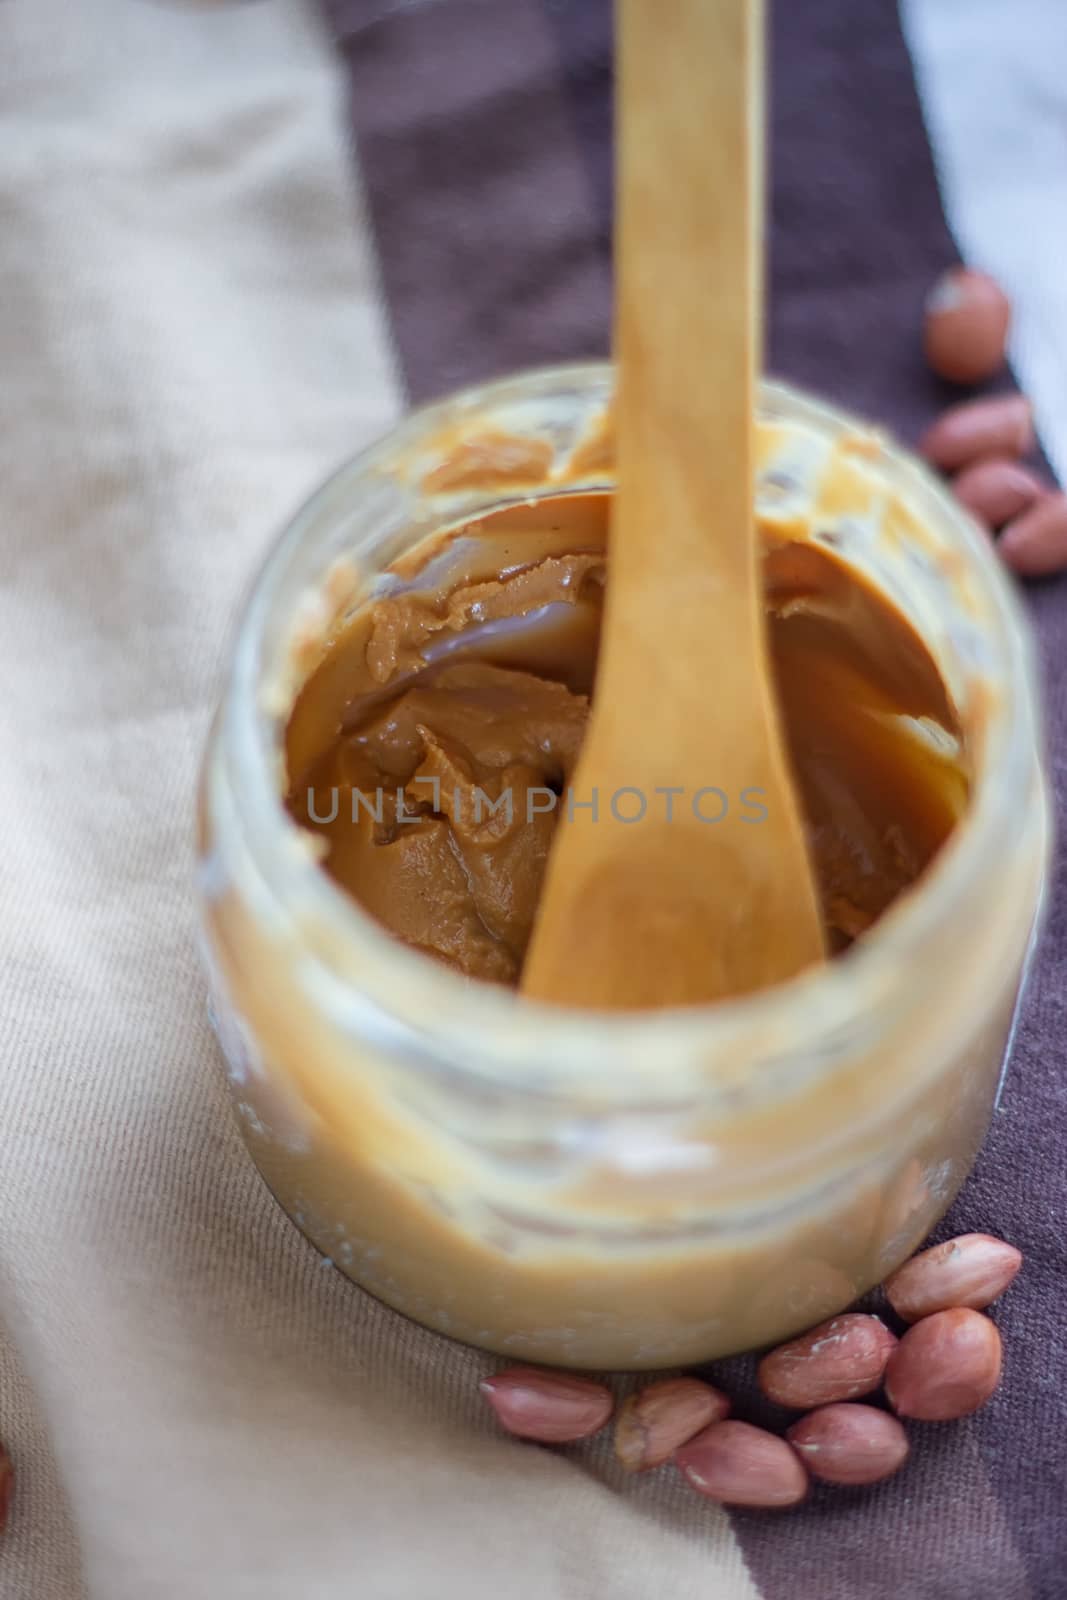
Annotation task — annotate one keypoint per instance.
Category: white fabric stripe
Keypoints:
(191, 336)
(993, 79)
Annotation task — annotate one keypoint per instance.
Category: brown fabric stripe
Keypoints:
(483, 215)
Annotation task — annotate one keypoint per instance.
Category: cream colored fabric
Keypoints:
(190, 336)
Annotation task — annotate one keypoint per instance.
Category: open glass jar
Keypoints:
(631, 1191)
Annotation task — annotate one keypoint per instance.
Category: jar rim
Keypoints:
(486, 1033)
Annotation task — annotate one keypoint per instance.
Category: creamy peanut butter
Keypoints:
(434, 746)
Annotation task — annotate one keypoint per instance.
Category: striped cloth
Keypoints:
(209, 294)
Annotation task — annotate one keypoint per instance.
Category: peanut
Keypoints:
(740, 1465)
(1002, 426)
(551, 1407)
(969, 1271)
(966, 328)
(838, 1360)
(995, 491)
(652, 1423)
(851, 1444)
(946, 1366)
(1035, 544)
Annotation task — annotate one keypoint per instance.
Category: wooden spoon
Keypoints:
(677, 907)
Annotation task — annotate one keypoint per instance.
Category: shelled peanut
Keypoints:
(655, 1422)
(973, 1270)
(839, 1360)
(849, 1444)
(946, 1365)
(551, 1407)
(965, 332)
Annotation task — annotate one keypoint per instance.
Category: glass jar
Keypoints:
(631, 1191)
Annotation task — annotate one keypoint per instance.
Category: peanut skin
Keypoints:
(969, 1271)
(737, 1464)
(839, 1360)
(1002, 426)
(551, 1407)
(850, 1444)
(945, 1367)
(655, 1421)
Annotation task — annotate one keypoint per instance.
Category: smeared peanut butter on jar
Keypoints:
(432, 749)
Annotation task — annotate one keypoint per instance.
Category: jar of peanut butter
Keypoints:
(391, 756)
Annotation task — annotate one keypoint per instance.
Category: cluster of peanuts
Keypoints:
(946, 1365)
(980, 443)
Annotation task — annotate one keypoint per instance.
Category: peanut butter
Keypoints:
(433, 748)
